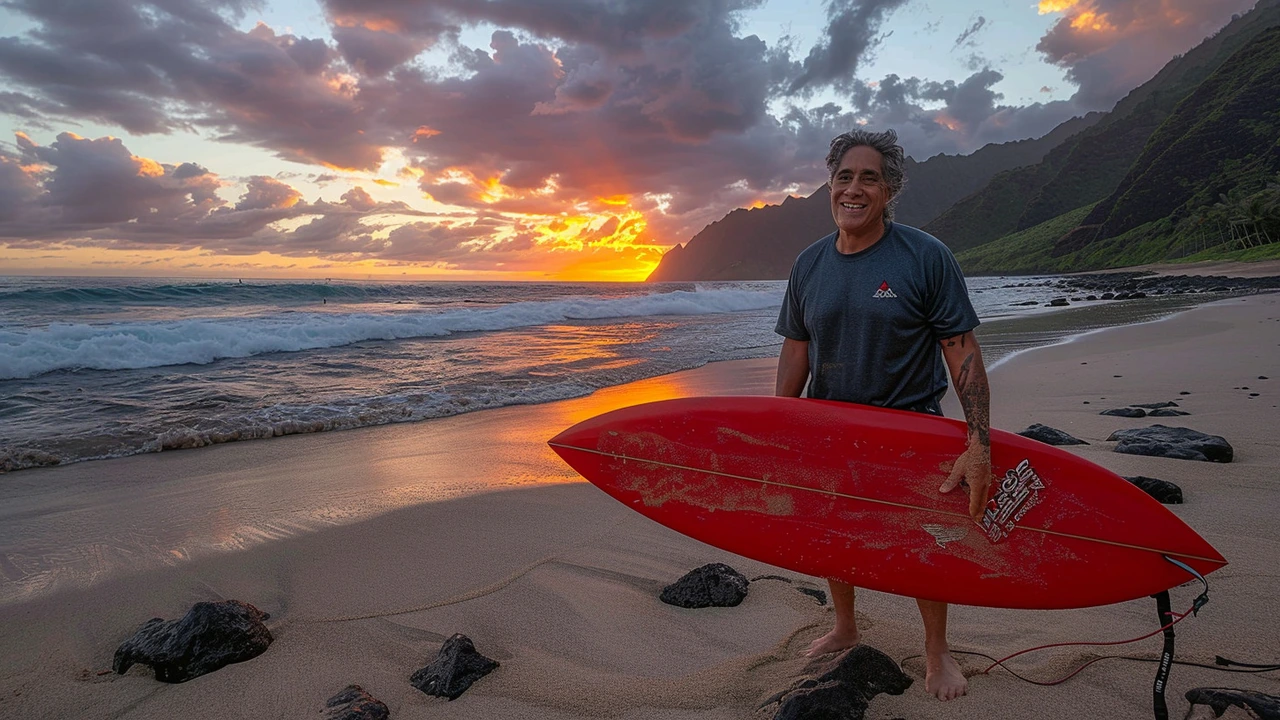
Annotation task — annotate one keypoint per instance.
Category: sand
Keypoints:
(370, 547)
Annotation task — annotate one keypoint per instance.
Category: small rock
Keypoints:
(1171, 442)
(1185, 392)
(1050, 436)
(1264, 707)
(1163, 490)
(454, 670)
(353, 703)
(712, 585)
(1058, 302)
(1125, 412)
(1167, 412)
(845, 689)
(1263, 377)
(210, 636)
(1155, 406)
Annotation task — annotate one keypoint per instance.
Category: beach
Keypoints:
(370, 547)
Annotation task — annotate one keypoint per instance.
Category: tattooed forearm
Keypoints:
(962, 380)
(975, 398)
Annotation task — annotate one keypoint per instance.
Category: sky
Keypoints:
(502, 139)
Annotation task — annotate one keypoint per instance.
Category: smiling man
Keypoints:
(878, 313)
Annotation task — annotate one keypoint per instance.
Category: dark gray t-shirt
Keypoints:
(873, 319)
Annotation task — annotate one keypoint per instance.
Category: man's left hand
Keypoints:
(973, 467)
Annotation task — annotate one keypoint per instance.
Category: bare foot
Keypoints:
(942, 677)
(834, 641)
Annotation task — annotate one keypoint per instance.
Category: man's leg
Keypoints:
(845, 634)
(942, 676)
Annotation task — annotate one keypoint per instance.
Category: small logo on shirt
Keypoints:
(884, 291)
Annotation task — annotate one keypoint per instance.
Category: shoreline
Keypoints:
(558, 582)
(1071, 305)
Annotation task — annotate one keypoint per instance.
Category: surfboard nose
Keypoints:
(582, 435)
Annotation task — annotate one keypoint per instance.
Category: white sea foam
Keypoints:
(31, 352)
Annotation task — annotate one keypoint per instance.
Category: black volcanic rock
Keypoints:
(1256, 704)
(1162, 490)
(712, 585)
(844, 690)
(210, 636)
(353, 703)
(1050, 436)
(1167, 412)
(455, 668)
(1128, 412)
(1171, 442)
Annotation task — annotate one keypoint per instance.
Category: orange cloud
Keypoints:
(947, 122)
(147, 167)
(423, 132)
(1089, 20)
(1053, 6)
(376, 24)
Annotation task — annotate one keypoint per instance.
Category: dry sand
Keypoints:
(370, 547)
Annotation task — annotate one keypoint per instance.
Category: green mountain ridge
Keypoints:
(761, 243)
(1224, 135)
(1185, 166)
(1091, 165)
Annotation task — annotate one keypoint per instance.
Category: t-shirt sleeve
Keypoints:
(791, 316)
(950, 312)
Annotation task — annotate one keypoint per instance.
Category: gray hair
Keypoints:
(892, 164)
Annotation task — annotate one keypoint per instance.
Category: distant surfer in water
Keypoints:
(878, 313)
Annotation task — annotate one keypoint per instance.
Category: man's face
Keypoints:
(858, 191)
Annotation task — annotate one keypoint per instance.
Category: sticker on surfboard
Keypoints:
(1018, 493)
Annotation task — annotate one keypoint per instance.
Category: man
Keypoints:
(878, 313)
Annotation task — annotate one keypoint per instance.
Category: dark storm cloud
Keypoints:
(950, 117)
(1109, 47)
(853, 31)
(18, 190)
(263, 193)
(162, 66)
(95, 192)
(615, 26)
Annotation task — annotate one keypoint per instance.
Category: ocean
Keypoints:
(95, 368)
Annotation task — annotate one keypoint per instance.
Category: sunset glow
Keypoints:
(1089, 20)
(1053, 6)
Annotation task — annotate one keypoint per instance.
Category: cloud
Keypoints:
(966, 37)
(96, 192)
(1109, 47)
(643, 118)
(164, 67)
(852, 32)
(949, 117)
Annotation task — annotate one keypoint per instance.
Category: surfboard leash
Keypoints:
(1166, 661)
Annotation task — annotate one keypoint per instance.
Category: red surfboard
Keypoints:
(850, 492)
